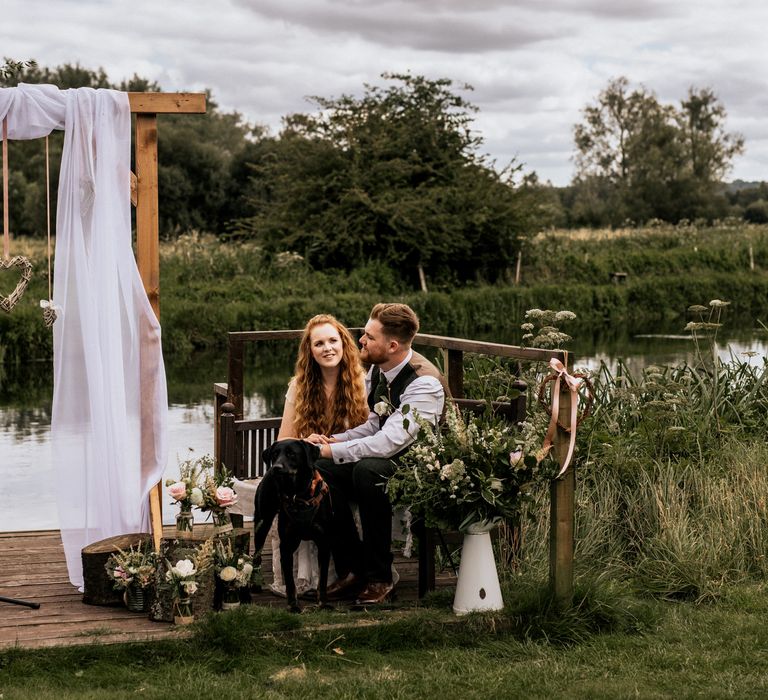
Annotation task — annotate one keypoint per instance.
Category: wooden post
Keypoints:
(226, 441)
(148, 259)
(146, 106)
(235, 376)
(561, 513)
(422, 279)
(453, 360)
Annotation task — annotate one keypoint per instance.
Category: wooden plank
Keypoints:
(63, 619)
(483, 348)
(437, 341)
(167, 102)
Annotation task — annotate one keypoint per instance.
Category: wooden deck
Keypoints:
(32, 568)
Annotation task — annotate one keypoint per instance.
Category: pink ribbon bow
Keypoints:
(573, 384)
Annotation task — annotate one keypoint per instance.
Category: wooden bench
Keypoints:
(562, 491)
(241, 443)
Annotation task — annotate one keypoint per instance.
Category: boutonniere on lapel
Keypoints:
(383, 408)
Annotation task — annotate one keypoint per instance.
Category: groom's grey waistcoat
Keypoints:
(417, 366)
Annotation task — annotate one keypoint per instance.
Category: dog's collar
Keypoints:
(318, 488)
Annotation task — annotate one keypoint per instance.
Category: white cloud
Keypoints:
(534, 63)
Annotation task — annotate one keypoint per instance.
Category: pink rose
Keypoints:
(225, 496)
(178, 490)
(515, 457)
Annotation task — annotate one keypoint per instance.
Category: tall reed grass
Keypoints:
(671, 478)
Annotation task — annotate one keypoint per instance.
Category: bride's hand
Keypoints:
(317, 439)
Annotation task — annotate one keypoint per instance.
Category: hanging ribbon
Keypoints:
(6, 226)
(8, 302)
(50, 312)
(574, 383)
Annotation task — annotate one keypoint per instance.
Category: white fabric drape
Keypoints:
(110, 401)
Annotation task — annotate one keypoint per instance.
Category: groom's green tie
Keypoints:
(381, 389)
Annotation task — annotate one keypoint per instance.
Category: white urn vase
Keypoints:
(477, 588)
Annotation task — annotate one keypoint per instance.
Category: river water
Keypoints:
(26, 471)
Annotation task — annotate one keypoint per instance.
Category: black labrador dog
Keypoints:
(293, 490)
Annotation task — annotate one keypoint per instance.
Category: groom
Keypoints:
(361, 459)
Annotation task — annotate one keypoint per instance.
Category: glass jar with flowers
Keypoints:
(187, 493)
(182, 580)
(218, 496)
(234, 571)
(468, 475)
(133, 571)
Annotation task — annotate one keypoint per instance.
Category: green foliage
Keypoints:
(393, 176)
(638, 159)
(195, 156)
(757, 212)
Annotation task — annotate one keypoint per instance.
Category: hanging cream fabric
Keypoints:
(108, 425)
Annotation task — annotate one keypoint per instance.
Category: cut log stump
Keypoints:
(97, 586)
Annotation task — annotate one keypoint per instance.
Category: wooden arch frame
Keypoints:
(145, 196)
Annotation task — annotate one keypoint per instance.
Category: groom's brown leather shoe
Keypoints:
(347, 587)
(375, 592)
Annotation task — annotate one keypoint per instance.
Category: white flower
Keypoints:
(196, 497)
(228, 573)
(247, 570)
(183, 568)
(495, 485)
(454, 470)
(382, 408)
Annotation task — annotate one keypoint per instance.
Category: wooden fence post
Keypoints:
(226, 438)
(235, 375)
(454, 371)
(561, 513)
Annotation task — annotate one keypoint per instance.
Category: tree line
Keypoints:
(396, 175)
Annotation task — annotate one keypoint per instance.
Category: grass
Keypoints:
(617, 646)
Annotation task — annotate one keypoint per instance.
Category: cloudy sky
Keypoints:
(534, 64)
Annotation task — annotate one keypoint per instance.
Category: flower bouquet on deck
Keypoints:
(182, 580)
(186, 492)
(218, 496)
(234, 571)
(133, 572)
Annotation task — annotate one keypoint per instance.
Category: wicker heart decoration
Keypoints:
(8, 302)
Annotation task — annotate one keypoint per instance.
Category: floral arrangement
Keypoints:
(182, 576)
(217, 491)
(468, 471)
(186, 490)
(134, 567)
(235, 570)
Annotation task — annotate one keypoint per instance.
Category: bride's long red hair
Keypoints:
(350, 407)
